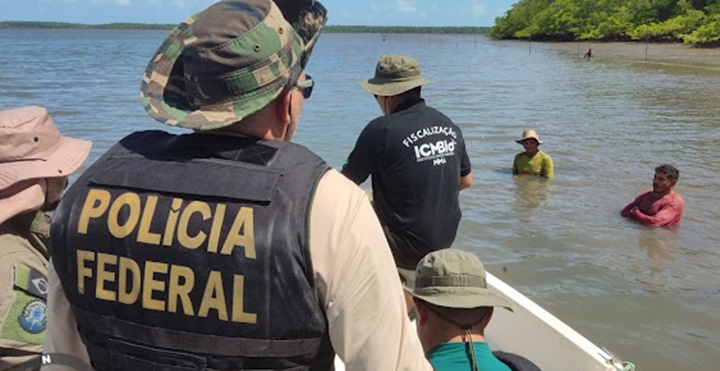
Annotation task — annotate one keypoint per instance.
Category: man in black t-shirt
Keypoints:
(418, 162)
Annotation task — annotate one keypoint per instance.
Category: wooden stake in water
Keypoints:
(529, 46)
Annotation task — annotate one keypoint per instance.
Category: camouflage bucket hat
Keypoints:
(394, 75)
(453, 278)
(229, 61)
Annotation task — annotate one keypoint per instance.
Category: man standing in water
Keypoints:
(418, 163)
(661, 206)
(533, 161)
(228, 247)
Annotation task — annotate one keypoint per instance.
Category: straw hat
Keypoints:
(394, 75)
(529, 134)
(32, 147)
(453, 278)
(229, 61)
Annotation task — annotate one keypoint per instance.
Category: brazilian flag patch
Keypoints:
(26, 318)
(33, 318)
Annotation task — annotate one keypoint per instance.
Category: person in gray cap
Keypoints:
(418, 162)
(454, 306)
(229, 247)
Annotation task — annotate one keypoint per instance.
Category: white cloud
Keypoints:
(400, 6)
(54, 1)
(477, 7)
(114, 2)
(406, 6)
(180, 4)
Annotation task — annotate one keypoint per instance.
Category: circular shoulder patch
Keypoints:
(33, 318)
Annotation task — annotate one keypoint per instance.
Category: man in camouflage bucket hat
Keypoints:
(230, 247)
(204, 78)
(454, 306)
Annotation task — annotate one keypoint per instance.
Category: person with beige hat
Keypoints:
(229, 247)
(418, 162)
(454, 305)
(533, 161)
(35, 161)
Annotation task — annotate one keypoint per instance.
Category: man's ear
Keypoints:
(488, 316)
(421, 309)
(283, 104)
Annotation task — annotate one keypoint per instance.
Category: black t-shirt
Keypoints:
(416, 156)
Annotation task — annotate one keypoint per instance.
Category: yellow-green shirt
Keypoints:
(539, 165)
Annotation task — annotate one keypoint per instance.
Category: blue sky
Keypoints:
(342, 12)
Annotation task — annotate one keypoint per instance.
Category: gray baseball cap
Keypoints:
(453, 278)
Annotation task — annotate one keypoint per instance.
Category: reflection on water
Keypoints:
(530, 192)
(661, 246)
(660, 243)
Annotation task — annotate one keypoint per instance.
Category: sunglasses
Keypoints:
(306, 86)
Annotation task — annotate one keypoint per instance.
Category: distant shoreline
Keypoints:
(670, 54)
(22, 25)
(149, 26)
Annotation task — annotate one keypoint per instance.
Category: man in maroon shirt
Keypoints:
(661, 206)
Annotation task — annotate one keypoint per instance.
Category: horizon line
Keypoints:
(175, 24)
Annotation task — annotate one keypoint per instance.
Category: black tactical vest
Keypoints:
(191, 253)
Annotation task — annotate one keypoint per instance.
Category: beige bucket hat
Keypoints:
(529, 134)
(32, 147)
(394, 75)
(453, 278)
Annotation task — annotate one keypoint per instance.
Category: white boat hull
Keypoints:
(537, 335)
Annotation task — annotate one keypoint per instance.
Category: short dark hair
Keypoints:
(668, 170)
(413, 93)
(460, 315)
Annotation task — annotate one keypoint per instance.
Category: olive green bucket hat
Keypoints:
(229, 61)
(394, 75)
(453, 278)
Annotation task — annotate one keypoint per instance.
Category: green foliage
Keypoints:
(672, 29)
(558, 20)
(646, 32)
(691, 21)
(706, 35)
(518, 21)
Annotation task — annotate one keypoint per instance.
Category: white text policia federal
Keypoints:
(178, 280)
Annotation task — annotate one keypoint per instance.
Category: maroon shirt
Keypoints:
(665, 211)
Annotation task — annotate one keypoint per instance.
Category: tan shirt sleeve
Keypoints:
(358, 282)
(61, 335)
